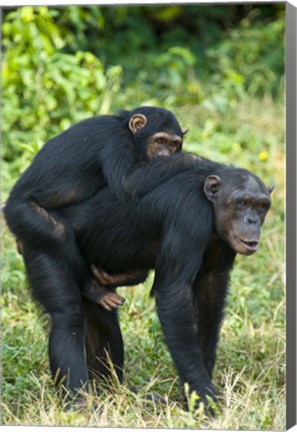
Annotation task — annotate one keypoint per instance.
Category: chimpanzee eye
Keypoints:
(262, 205)
(242, 203)
(161, 141)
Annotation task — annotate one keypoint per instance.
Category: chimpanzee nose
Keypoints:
(250, 219)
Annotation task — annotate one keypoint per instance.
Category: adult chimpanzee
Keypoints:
(189, 230)
(73, 166)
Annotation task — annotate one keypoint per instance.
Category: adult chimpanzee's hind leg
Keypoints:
(104, 343)
(56, 290)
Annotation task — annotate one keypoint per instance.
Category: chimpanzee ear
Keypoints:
(137, 121)
(211, 186)
(270, 189)
(185, 130)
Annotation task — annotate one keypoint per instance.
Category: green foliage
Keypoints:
(62, 65)
(44, 89)
(247, 60)
(234, 46)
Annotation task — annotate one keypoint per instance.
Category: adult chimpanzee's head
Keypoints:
(240, 202)
(156, 131)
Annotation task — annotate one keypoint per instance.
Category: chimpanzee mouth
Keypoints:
(251, 245)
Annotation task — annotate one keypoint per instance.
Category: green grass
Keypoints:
(250, 367)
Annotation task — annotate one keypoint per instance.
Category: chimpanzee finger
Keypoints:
(114, 301)
(117, 299)
(105, 305)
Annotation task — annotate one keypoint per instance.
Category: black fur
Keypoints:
(73, 167)
(171, 230)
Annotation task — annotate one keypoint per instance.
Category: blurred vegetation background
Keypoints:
(62, 65)
(220, 69)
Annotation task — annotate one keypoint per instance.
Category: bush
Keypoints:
(247, 59)
(44, 89)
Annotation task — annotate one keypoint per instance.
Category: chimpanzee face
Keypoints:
(163, 144)
(159, 136)
(240, 205)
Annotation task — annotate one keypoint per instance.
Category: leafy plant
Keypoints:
(247, 58)
(45, 90)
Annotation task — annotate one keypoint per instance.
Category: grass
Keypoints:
(250, 367)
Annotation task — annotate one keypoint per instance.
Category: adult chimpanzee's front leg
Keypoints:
(175, 306)
(209, 292)
(210, 289)
(57, 291)
(177, 317)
